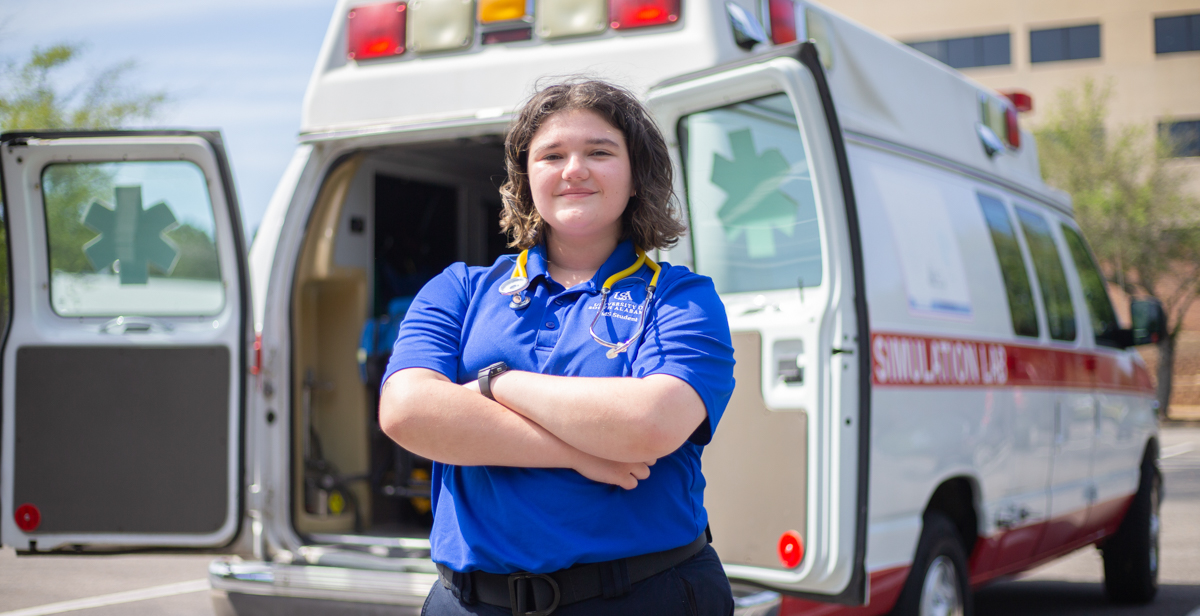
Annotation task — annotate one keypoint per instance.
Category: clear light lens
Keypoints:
(642, 13)
(441, 25)
(375, 30)
(491, 11)
(563, 18)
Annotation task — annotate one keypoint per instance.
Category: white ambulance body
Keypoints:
(930, 391)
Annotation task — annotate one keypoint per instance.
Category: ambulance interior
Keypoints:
(385, 221)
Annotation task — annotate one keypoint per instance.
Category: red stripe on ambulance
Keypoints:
(908, 360)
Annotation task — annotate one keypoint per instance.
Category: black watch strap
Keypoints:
(487, 374)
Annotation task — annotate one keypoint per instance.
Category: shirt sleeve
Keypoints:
(431, 333)
(688, 338)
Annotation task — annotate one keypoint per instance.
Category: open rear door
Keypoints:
(123, 365)
(772, 221)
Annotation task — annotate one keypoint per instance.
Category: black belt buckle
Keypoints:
(531, 598)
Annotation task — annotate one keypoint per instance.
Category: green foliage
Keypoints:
(31, 100)
(1129, 199)
(1131, 203)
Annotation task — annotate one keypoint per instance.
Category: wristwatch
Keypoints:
(487, 374)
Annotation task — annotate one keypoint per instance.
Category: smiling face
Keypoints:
(579, 176)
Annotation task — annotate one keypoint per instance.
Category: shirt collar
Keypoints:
(622, 257)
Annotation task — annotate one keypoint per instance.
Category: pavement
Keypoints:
(135, 585)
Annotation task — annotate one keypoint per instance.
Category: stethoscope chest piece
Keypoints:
(518, 302)
(514, 285)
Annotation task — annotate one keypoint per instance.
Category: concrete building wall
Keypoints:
(1146, 87)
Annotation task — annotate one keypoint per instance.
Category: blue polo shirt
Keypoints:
(505, 519)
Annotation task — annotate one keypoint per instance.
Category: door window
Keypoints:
(1052, 278)
(1095, 291)
(750, 194)
(131, 238)
(1012, 266)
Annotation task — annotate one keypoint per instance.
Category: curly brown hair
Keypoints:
(651, 218)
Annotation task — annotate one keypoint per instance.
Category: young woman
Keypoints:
(566, 393)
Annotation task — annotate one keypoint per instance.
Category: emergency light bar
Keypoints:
(626, 14)
(428, 26)
(376, 30)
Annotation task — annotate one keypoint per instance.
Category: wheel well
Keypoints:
(955, 499)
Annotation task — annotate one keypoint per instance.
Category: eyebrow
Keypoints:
(592, 141)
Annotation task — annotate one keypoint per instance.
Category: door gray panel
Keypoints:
(123, 439)
(756, 468)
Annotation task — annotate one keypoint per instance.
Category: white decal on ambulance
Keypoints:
(905, 360)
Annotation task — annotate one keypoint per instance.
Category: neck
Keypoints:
(576, 260)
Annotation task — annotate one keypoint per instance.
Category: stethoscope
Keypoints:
(519, 282)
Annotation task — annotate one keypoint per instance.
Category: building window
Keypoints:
(1185, 135)
(968, 52)
(1056, 44)
(1178, 33)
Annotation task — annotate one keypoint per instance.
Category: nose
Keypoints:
(575, 168)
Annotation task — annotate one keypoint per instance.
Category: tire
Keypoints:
(1131, 554)
(938, 584)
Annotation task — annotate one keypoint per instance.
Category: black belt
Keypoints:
(545, 592)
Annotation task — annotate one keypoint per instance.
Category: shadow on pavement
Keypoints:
(1036, 597)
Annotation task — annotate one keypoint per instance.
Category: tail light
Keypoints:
(376, 30)
(783, 21)
(256, 367)
(1020, 99)
(1012, 127)
(625, 14)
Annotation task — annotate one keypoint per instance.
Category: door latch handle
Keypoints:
(135, 325)
(837, 350)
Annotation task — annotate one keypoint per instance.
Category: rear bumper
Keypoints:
(256, 587)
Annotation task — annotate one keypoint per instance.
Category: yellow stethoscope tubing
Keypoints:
(617, 348)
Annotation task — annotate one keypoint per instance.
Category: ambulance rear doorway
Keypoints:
(385, 222)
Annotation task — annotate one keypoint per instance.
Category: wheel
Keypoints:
(937, 585)
(1131, 554)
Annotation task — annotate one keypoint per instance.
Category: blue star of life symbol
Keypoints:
(131, 237)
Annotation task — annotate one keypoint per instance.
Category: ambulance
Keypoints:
(933, 390)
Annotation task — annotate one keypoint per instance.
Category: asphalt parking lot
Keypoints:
(134, 585)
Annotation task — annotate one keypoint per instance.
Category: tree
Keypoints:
(31, 100)
(1132, 205)
(32, 97)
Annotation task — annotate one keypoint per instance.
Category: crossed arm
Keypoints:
(608, 429)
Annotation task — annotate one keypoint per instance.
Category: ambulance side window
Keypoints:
(750, 195)
(1012, 267)
(1052, 278)
(131, 238)
(1095, 291)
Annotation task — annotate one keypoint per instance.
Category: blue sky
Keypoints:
(237, 65)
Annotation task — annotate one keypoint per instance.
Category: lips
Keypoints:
(576, 192)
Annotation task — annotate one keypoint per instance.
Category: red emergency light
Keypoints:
(1020, 99)
(783, 21)
(625, 14)
(1013, 127)
(376, 30)
(791, 549)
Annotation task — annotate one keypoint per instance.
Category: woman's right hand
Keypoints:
(624, 474)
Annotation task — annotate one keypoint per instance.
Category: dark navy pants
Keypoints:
(695, 587)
